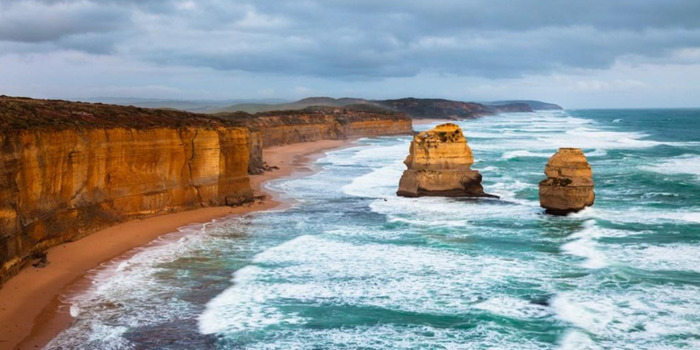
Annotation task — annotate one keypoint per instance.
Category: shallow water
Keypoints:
(354, 266)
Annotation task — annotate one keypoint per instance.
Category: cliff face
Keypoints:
(439, 164)
(69, 169)
(322, 123)
(58, 186)
(437, 108)
(569, 183)
(313, 124)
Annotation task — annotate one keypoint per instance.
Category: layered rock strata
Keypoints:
(68, 169)
(59, 185)
(313, 124)
(439, 164)
(569, 183)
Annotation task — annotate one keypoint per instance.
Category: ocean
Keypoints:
(353, 266)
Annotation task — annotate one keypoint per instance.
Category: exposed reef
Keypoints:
(439, 164)
(569, 184)
(68, 169)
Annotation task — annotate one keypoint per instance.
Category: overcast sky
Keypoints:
(593, 53)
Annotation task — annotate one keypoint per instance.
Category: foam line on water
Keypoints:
(524, 154)
(685, 164)
(620, 317)
(382, 182)
(393, 336)
(549, 132)
(671, 257)
(427, 211)
(642, 215)
(513, 307)
(586, 247)
(577, 340)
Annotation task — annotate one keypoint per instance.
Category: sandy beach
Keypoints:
(29, 302)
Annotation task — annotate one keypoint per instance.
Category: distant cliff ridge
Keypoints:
(69, 169)
(535, 105)
(413, 107)
(446, 109)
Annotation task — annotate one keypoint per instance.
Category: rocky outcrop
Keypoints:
(569, 184)
(439, 164)
(68, 169)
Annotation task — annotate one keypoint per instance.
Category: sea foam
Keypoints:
(319, 271)
(685, 164)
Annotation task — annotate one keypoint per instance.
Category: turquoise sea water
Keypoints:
(353, 266)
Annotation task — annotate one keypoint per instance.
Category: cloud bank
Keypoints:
(358, 41)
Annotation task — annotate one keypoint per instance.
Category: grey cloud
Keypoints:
(42, 22)
(363, 39)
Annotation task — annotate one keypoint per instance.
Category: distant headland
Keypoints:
(416, 108)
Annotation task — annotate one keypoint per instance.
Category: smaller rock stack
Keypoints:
(569, 184)
(439, 165)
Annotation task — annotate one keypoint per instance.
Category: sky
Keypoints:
(579, 54)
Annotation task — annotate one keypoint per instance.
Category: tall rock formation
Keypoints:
(439, 165)
(569, 184)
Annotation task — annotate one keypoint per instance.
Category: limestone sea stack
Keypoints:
(569, 184)
(439, 165)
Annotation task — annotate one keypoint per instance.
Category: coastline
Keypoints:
(32, 318)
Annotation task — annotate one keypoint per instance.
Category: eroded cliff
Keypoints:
(279, 128)
(69, 169)
(62, 176)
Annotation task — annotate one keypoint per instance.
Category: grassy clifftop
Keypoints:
(19, 113)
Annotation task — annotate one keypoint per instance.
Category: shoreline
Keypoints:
(32, 318)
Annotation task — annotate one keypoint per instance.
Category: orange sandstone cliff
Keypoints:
(278, 128)
(439, 164)
(68, 169)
